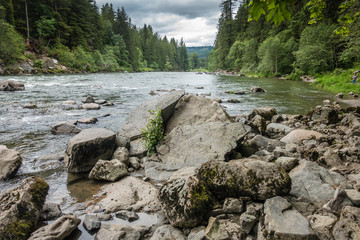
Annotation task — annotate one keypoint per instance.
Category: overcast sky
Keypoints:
(194, 20)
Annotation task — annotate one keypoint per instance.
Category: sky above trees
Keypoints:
(194, 20)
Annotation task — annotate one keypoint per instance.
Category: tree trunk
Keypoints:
(27, 25)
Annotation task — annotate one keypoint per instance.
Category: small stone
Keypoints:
(91, 106)
(101, 101)
(68, 102)
(354, 196)
(91, 222)
(108, 170)
(88, 99)
(288, 163)
(50, 211)
(127, 215)
(134, 162)
(121, 154)
(247, 222)
(233, 100)
(233, 205)
(88, 120)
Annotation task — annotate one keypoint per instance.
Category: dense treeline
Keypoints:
(84, 37)
(293, 47)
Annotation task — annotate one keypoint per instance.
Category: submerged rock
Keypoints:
(11, 85)
(10, 162)
(257, 89)
(87, 147)
(60, 229)
(21, 207)
(254, 178)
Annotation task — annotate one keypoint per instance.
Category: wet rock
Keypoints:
(168, 232)
(222, 229)
(88, 99)
(299, 135)
(129, 193)
(193, 145)
(254, 178)
(185, 201)
(88, 120)
(322, 224)
(68, 102)
(60, 229)
(91, 222)
(127, 215)
(288, 163)
(348, 226)
(30, 105)
(257, 89)
(45, 158)
(108, 170)
(21, 207)
(50, 211)
(121, 154)
(65, 128)
(108, 104)
(87, 147)
(90, 106)
(134, 162)
(195, 110)
(110, 231)
(101, 101)
(138, 118)
(315, 183)
(11, 85)
(283, 222)
(265, 112)
(10, 162)
(233, 100)
(137, 148)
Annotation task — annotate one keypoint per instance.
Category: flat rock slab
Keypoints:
(298, 135)
(191, 146)
(315, 183)
(60, 229)
(286, 223)
(129, 193)
(111, 231)
(11, 85)
(138, 118)
(10, 161)
(195, 110)
(87, 147)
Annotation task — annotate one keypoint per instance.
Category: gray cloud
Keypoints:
(195, 20)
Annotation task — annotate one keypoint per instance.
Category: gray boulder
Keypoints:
(322, 224)
(88, 120)
(108, 170)
(10, 162)
(11, 85)
(65, 128)
(196, 110)
(314, 183)
(283, 223)
(121, 154)
(265, 112)
(138, 118)
(257, 143)
(298, 135)
(168, 232)
(287, 163)
(88, 99)
(58, 230)
(254, 178)
(91, 222)
(111, 231)
(277, 128)
(348, 226)
(21, 207)
(185, 201)
(194, 145)
(137, 148)
(327, 114)
(90, 106)
(87, 147)
(257, 89)
(197, 233)
(222, 229)
(129, 193)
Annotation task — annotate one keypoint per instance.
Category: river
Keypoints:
(28, 130)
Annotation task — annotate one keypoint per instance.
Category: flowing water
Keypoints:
(28, 130)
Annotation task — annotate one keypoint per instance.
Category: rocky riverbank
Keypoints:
(257, 176)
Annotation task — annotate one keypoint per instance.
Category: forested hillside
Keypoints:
(83, 37)
(198, 56)
(319, 36)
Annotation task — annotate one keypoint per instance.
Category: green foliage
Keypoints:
(83, 59)
(154, 131)
(38, 63)
(12, 45)
(45, 27)
(275, 10)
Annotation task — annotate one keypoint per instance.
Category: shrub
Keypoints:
(38, 63)
(154, 131)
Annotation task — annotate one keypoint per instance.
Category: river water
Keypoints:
(28, 130)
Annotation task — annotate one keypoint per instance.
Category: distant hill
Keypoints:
(202, 51)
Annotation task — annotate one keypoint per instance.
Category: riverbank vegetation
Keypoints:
(83, 37)
(307, 38)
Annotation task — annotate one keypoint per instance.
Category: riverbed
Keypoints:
(28, 130)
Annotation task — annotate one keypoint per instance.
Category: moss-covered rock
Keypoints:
(185, 201)
(21, 207)
(254, 178)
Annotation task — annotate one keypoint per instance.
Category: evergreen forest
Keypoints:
(84, 37)
(298, 37)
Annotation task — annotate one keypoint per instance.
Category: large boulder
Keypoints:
(111, 231)
(87, 147)
(58, 230)
(167, 232)
(129, 193)
(185, 201)
(138, 118)
(298, 135)
(108, 170)
(314, 183)
(21, 207)
(11, 85)
(10, 161)
(327, 114)
(348, 226)
(282, 222)
(249, 177)
(195, 110)
(194, 145)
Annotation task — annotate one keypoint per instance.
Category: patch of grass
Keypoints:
(154, 131)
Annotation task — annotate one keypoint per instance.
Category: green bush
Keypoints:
(38, 63)
(154, 131)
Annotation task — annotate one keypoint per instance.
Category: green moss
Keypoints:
(39, 190)
(201, 199)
